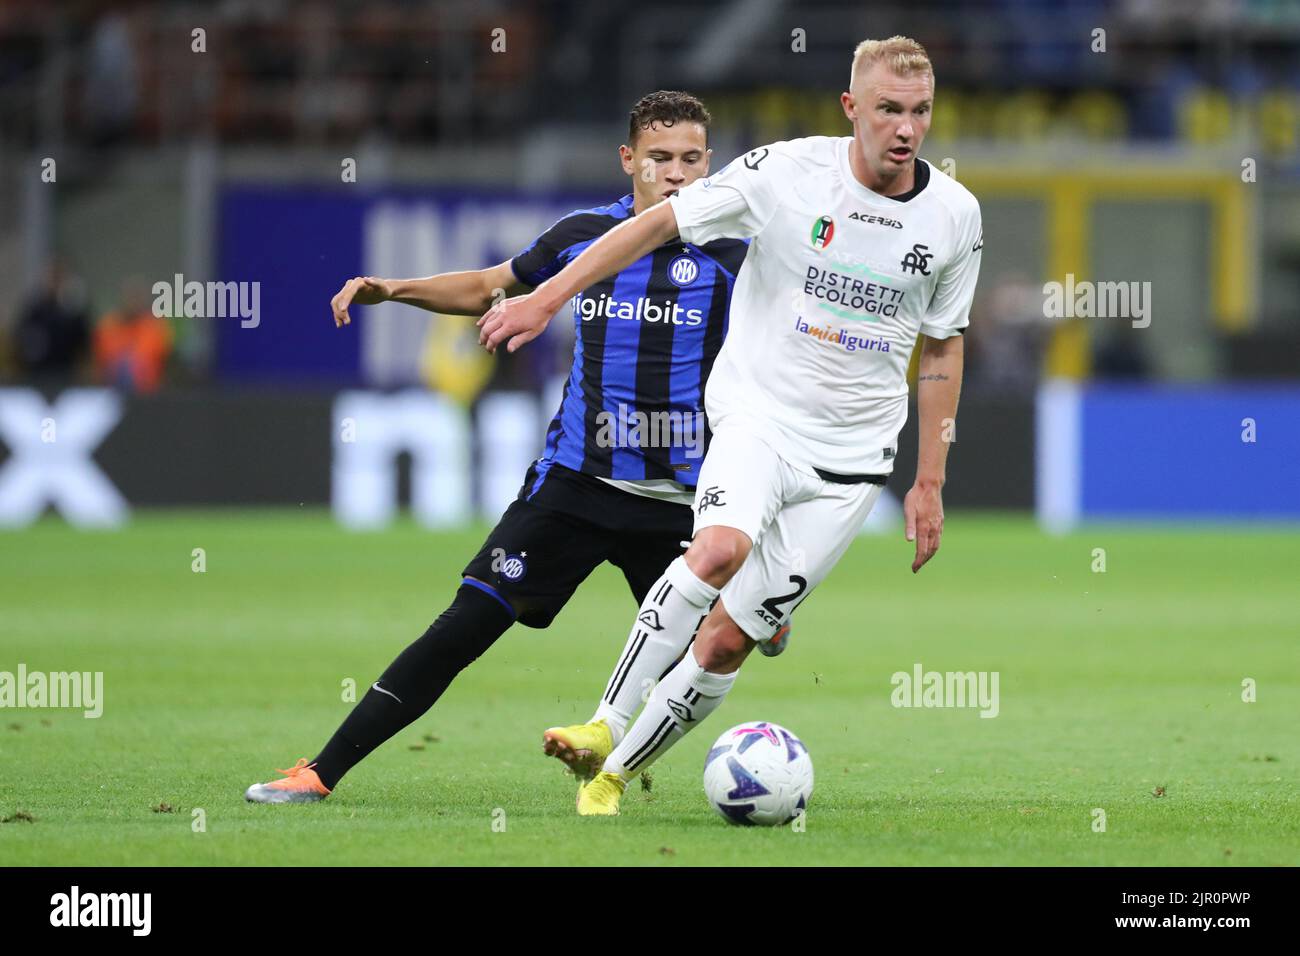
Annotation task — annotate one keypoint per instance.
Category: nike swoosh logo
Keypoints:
(375, 686)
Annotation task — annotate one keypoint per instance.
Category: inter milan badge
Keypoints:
(683, 271)
(514, 567)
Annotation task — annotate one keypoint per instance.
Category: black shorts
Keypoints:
(545, 546)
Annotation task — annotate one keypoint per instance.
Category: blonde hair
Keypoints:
(901, 55)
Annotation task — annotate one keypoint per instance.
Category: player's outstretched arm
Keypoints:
(518, 321)
(452, 293)
(938, 386)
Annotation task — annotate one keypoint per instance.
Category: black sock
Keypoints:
(415, 680)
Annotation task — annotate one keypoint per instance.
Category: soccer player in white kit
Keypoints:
(858, 246)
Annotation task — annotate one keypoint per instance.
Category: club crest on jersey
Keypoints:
(514, 567)
(683, 270)
(918, 260)
(823, 231)
(705, 497)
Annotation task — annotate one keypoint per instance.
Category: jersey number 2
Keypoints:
(773, 604)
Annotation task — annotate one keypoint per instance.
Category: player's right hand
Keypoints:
(363, 290)
(923, 520)
(514, 322)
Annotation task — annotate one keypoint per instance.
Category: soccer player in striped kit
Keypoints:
(616, 479)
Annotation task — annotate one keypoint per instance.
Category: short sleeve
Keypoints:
(547, 255)
(949, 311)
(737, 203)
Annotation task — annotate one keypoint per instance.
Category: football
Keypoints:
(758, 774)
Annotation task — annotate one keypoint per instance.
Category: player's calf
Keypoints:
(721, 646)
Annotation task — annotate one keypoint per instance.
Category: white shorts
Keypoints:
(800, 524)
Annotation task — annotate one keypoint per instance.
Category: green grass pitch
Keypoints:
(1119, 691)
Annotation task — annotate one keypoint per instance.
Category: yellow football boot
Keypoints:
(582, 747)
(600, 797)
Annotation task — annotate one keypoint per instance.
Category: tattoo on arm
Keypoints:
(936, 377)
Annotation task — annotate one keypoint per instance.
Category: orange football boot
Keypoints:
(300, 785)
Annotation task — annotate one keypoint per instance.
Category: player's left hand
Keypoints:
(923, 513)
(514, 321)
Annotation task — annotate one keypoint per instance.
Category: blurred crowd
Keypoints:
(102, 71)
(100, 74)
(56, 341)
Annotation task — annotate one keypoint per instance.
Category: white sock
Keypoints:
(665, 625)
(686, 695)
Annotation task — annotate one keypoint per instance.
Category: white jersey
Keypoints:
(838, 282)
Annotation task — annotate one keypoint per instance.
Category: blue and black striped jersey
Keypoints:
(645, 342)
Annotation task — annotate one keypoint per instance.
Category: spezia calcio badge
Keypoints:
(823, 231)
(683, 270)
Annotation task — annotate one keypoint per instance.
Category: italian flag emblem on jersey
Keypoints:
(822, 231)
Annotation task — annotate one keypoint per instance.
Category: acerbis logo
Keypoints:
(669, 313)
(877, 220)
(650, 618)
(823, 231)
(683, 270)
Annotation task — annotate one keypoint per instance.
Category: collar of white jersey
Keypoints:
(867, 195)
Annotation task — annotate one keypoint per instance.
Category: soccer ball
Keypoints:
(758, 774)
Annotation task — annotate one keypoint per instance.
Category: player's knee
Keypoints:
(716, 554)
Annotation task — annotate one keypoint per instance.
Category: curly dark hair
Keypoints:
(666, 107)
